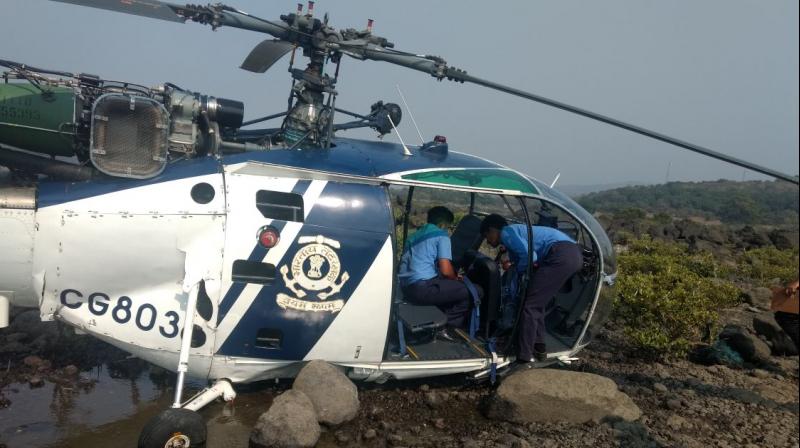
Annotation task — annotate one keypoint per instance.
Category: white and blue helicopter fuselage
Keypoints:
(122, 259)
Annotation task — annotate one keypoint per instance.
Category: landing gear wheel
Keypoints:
(174, 428)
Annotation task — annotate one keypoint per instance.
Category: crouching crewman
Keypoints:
(558, 258)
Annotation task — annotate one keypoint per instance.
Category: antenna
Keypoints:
(553, 184)
(406, 152)
(402, 97)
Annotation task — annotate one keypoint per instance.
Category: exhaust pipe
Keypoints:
(40, 165)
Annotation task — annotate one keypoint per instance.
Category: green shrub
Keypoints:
(668, 299)
(760, 266)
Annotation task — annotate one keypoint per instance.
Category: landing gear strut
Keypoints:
(182, 426)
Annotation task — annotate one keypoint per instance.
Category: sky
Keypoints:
(718, 73)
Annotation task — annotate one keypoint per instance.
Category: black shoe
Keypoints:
(445, 335)
(540, 352)
(519, 366)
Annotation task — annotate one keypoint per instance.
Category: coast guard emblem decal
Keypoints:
(315, 270)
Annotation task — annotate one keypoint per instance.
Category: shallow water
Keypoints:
(107, 408)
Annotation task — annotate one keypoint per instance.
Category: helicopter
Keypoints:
(182, 235)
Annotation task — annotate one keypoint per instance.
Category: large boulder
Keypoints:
(766, 326)
(334, 396)
(548, 395)
(759, 296)
(748, 345)
(290, 422)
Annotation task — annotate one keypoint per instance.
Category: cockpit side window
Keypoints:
(279, 205)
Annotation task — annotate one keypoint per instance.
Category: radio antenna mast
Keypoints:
(402, 97)
(406, 151)
(553, 184)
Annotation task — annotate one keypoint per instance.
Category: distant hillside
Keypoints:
(580, 190)
(753, 202)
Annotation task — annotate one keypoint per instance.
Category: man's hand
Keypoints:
(792, 288)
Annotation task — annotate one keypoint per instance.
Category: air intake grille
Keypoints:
(129, 136)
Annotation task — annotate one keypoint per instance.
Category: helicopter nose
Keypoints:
(17, 227)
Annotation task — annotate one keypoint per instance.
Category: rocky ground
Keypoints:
(682, 403)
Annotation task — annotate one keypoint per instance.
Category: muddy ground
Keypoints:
(58, 389)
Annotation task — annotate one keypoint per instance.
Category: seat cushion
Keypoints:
(418, 318)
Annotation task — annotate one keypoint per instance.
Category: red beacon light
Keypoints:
(370, 22)
(440, 139)
(268, 237)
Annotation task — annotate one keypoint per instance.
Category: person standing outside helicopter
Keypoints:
(786, 305)
(557, 257)
(427, 276)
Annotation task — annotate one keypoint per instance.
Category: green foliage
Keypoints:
(754, 202)
(760, 266)
(669, 299)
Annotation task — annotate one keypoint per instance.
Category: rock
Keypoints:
(433, 399)
(674, 404)
(71, 370)
(36, 381)
(31, 324)
(745, 343)
(33, 361)
(512, 441)
(574, 397)
(760, 297)
(342, 437)
(660, 388)
(676, 422)
(760, 373)
(334, 396)
(370, 434)
(782, 344)
(519, 431)
(394, 439)
(439, 423)
(606, 356)
(290, 422)
(424, 388)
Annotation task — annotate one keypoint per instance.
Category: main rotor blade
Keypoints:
(438, 68)
(215, 14)
(265, 54)
(463, 76)
(146, 8)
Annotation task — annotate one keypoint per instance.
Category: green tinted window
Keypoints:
(487, 178)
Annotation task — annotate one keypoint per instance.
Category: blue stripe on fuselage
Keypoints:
(258, 253)
(55, 193)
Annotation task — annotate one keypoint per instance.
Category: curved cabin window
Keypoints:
(494, 178)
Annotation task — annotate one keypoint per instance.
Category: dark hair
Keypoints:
(440, 215)
(493, 221)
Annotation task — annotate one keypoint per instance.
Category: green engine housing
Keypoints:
(43, 122)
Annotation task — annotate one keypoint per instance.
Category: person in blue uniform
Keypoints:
(557, 258)
(427, 276)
